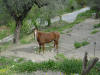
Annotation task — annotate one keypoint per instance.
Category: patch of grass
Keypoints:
(63, 66)
(3, 34)
(80, 44)
(6, 71)
(7, 63)
(60, 57)
(26, 39)
(67, 66)
(95, 31)
(4, 46)
(97, 25)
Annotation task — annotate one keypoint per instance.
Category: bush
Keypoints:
(68, 66)
(94, 31)
(97, 25)
(3, 34)
(80, 44)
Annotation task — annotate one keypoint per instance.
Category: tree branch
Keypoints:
(86, 70)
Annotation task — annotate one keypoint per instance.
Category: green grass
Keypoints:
(3, 34)
(4, 46)
(7, 63)
(95, 31)
(67, 66)
(80, 44)
(27, 39)
(60, 57)
(97, 25)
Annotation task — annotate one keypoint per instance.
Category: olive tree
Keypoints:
(19, 9)
(54, 8)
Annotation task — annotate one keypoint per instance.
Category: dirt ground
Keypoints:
(79, 32)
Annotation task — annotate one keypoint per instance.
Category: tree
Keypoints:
(54, 8)
(19, 9)
(95, 5)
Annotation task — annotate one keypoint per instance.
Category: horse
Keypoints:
(46, 37)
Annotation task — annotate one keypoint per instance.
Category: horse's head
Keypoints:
(35, 30)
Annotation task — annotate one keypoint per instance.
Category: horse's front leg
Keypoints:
(54, 44)
(43, 48)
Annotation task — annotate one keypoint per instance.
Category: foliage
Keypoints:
(62, 66)
(97, 25)
(67, 66)
(82, 3)
(95, 31)
(7, 30)
(72, 4)
(27, 39)
(6, 62)
(80, 44)
(4, 16)
(51, 10)
(19, 9)
(4, 46)
(3, 34)
(94, 4)
(60, 57)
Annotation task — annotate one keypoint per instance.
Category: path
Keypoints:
(70, 17)
(81, 32)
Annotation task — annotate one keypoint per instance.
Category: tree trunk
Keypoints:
(97, 15)
(17, 31)
(49, 21)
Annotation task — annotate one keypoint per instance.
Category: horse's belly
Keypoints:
(48, 41)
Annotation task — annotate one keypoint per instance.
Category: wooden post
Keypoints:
(86, 69)
(94, 48)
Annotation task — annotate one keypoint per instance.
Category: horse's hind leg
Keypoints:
(43, 48)
(56, 45)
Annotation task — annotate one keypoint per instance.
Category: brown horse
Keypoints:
(44, 37)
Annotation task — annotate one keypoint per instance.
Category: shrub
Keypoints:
(68, 66)
(94, 31)
(80, 44)
(97, 25)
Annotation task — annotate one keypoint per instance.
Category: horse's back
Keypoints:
(48, 36)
